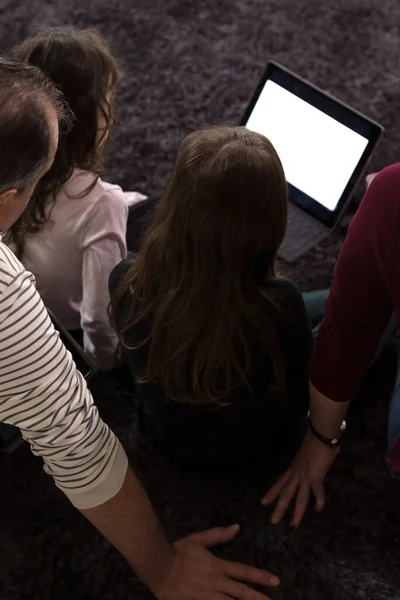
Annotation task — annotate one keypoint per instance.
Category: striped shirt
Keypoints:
(43, 394)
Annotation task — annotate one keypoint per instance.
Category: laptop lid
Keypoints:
(323, 144)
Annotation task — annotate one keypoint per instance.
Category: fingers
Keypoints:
(284, 500)
(240, 591)
(276, 489)
(303, 497)
(318, 489)
(218, 535)
(250, 574)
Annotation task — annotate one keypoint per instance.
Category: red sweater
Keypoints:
(364, 293)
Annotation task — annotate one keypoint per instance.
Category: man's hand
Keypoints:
(306, 474)
(198, 575)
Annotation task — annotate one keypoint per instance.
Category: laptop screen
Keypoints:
(318, 154)
(323, 144)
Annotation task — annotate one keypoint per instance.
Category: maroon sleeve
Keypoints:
(364, 292)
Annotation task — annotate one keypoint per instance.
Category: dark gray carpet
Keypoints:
(186, 64)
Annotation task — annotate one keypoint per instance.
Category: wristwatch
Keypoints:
(335, 442)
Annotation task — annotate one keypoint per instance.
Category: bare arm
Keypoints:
(326, 415)
(128, 521)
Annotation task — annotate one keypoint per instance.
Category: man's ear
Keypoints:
(6, 196)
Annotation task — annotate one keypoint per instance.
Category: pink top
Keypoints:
(73, 256)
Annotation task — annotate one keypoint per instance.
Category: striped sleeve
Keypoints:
(43, 394)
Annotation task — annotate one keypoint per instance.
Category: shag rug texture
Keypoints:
(187, 64)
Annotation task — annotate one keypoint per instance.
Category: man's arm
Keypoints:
(128, 521)
(43, 394)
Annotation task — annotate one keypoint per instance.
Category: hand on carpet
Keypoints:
(305, 475)
(198, 575)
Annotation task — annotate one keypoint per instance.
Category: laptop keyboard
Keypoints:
(301, 235)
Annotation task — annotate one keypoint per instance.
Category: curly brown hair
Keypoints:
(81, 65)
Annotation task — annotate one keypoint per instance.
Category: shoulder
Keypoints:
(110, 205)
(383, 193)
(282, 288)
(286, 296)
(106, 195)
(17, 285)
(107, 213)
(377, 217)
(389, 174)
(10, 266)
(85, 185)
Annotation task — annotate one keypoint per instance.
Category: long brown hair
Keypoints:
(197, 280)
(80, 63)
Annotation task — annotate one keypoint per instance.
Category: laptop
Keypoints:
(324, 146)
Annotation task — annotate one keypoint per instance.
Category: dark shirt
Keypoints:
(259, 426)
(364, 293)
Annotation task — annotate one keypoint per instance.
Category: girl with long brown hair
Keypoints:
(72, 233)
(217, 343)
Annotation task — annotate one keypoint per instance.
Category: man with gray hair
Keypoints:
(43, 394)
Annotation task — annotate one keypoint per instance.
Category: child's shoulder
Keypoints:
(285, 294)
(282, 286)
(88, 185)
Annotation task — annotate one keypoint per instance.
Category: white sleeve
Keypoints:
(43, 394)
(104, 246)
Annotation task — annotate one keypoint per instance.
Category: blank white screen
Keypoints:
(318, 154)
